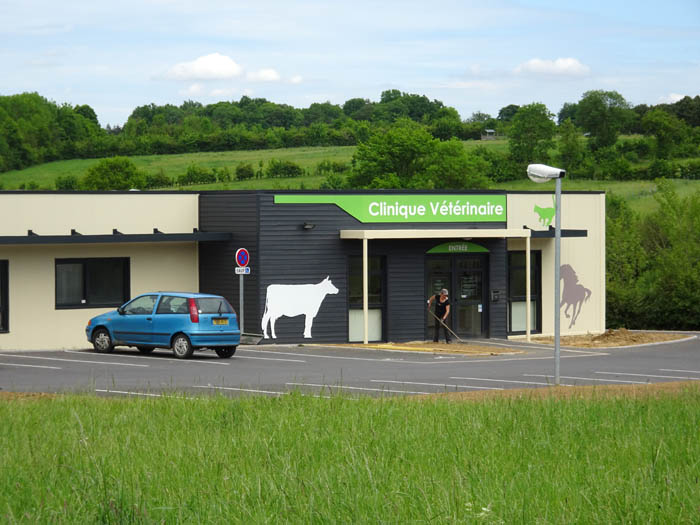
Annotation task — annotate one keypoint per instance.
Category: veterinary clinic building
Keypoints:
(324, 266)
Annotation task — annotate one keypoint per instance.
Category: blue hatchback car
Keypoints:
(181, 321)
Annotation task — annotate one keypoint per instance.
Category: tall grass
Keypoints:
(76, 459)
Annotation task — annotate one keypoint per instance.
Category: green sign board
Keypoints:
(458, 247)
(410, 208)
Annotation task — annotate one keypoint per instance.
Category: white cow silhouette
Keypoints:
(291, 300)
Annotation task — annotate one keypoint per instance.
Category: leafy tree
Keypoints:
(671, 237)
(531, 133)
(667, 129)
(117, 173)
(506, 113)
(602, 114)
(567, 111)
(88, 113)
(400, 153)
(626, 261)
(570, 149)
(407, 156)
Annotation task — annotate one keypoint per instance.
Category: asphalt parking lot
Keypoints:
(275, 370)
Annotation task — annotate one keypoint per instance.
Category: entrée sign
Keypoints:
(411, 208)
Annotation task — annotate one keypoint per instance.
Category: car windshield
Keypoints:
(213, 305)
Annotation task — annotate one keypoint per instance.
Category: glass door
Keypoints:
(469, 296)
(439, 276)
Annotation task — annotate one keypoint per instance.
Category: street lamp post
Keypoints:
(541, 173)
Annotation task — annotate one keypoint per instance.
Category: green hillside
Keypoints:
(639, 194)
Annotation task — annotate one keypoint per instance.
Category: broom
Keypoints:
(446, 327)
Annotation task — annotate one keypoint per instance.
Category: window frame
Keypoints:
(4, 296)
(86, 263)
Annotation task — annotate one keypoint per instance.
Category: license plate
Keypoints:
(220, 321)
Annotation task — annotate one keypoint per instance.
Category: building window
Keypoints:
(375, 298)
(92, 283)
(517, 313)
(4, 296)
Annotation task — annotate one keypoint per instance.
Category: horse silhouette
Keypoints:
(546, 215)
(574, 294)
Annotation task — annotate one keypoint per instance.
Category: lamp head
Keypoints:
(544, 173)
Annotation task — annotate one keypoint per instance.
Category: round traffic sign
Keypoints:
(242, 257)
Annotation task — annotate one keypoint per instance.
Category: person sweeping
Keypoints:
(442, 310)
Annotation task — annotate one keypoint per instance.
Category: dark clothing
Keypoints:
(440, 310)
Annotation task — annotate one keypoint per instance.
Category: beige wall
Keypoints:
(586, 255)
(36, 324)
(97, 214)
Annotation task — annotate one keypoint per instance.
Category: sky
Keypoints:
(473, 56)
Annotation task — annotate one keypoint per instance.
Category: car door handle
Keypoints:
(149, 319)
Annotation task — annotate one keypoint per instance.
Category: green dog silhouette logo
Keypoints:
(546, 215)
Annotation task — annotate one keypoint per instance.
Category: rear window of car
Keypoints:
(173, 305)
(213, 305)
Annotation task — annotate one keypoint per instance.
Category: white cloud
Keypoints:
(296, 79)
(560, 67)
(222, 92)
(671, 98)
(263, 75)
(208, 67)
(193, 90)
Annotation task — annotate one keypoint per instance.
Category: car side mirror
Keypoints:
(120, 310)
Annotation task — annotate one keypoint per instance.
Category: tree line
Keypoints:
(34, 130)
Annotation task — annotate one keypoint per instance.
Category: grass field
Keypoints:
(598, 459)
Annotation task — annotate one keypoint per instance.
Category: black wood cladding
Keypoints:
(282, 251)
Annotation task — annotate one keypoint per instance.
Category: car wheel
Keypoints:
(182, 348)
(225, 352)
(102, 341)
(145, 349)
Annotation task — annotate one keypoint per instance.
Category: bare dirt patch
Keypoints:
(610, 338)
(24, 396)
(655, 390)
(439, 348)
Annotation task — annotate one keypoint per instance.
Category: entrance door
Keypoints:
(469, 295)
(466, 278)
(439, 276)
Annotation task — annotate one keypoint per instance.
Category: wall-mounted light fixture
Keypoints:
(309, 226)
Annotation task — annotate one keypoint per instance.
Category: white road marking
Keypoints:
(33, 366)
(505, 381)
(271, 359)
(587, 379)
(435, 384)
(328, 356)
(357, 388)
(242, 389)
(649, 375)
(686, 371)
(74, 360)
(127, 393)
(156, 359)
(485, 359)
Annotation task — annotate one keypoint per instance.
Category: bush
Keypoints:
(283, 168)
(196, 175)
(158, 180)
(327, 167)
(691, 170)
(222, 174)
(245, 171)
(333, 181)
(67, 183)
(661, 169)
(117, 173)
